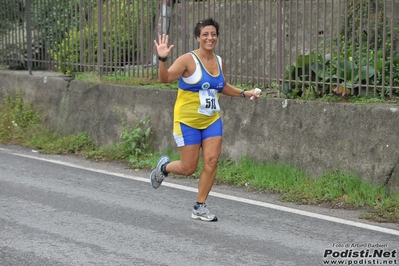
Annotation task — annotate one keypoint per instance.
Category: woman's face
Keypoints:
(208, 38)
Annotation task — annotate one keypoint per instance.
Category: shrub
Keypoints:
(17, 119)
(122, 27)
(358, 59)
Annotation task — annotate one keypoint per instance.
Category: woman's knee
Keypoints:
(188, 169)
(212, 160)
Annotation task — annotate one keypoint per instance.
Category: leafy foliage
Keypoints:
(135, 147)
(49, 21)
(347, 71)
(17, 119)
(12, 15)
(366, 20)
(120, 33)
(357, 61)
(135, 141)
(53, 20)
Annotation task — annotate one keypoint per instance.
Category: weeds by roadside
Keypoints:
(21, 125)
(135, 147)
(333, 189)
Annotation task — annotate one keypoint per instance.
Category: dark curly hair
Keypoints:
(205, 22)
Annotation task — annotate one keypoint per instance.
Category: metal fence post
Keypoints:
(184, 28)
(100, 49)
(29, 36)
(164, 16)
(280, 45)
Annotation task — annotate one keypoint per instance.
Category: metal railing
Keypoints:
(296, 47)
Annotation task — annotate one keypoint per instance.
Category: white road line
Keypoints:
(228, 197)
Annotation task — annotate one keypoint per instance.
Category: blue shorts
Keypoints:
(193, 136)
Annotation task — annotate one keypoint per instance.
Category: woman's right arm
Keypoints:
(168, 75)
(177, 69)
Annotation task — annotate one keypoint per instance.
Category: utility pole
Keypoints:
(165, 13)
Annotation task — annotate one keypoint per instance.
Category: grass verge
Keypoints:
(20, 124)
(124, 79)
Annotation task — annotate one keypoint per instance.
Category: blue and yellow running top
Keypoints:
(197, 99)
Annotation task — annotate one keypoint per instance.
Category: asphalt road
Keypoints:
(63, 210)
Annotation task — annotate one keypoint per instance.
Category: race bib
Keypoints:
(209, 102)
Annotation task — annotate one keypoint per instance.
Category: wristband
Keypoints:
(242, 94)
(163, 59)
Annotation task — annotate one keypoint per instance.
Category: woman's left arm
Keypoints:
(230, 90)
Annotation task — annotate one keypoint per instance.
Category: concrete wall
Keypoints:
(316, 137)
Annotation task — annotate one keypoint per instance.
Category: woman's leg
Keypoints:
(188, 162)
(189, 155)
(211, 149)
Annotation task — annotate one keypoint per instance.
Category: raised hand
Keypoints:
(162, 45)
